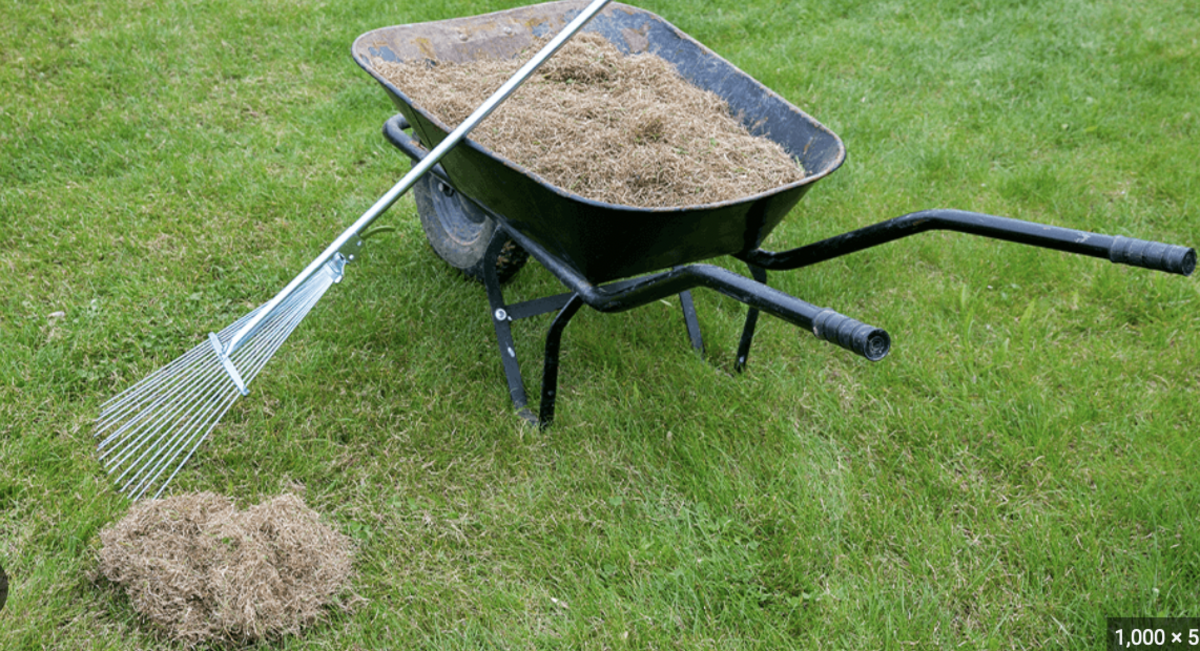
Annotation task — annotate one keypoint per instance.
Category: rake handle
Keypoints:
(433, 158)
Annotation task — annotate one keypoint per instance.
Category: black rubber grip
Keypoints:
(1153, 255)
(855, 336)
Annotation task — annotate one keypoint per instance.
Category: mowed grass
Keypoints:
(1022, 466)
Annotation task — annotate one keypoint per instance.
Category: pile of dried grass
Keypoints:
(620, 129)
(205, 571)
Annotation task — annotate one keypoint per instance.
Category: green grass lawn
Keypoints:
(1022, 466)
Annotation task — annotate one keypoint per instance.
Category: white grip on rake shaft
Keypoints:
(228, 364)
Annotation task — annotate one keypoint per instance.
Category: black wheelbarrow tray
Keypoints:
(484, 214)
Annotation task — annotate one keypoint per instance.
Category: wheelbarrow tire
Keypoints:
(459, 231)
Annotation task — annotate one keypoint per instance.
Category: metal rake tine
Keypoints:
(185, 383)
(178, 467)
(155, 409)
(227, 332)
(252, 370)
(258, 351)
(203, 381)
(298, 315)
(166, 405)
(254, 367)
(144, 390)
(148, 389)
(145, 384)
(212, 379)
(142, 429)
(198, 431)
(172, 420)
(144, 471)
(183, 428)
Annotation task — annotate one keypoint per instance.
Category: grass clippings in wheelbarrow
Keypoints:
(204, 571)
(625, 130)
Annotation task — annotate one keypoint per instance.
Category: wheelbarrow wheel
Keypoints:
(459, 232)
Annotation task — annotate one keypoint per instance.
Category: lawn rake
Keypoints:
(156, 425)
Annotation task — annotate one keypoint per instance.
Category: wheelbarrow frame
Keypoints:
(867, 341)
(615, 258)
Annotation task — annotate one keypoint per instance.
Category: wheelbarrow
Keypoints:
(486, 215)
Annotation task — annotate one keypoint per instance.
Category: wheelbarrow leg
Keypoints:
(502, 317)
(759, 274)
(690, 320)
(501, 321)
(550, 365)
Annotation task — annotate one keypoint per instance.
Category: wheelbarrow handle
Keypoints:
(1153, 255)
(855, 336)
(395, 130)
(1139, 253)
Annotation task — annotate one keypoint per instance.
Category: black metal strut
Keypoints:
(1125, 250)
(567, 305)
(868, 341)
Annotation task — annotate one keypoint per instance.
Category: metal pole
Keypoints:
(417, 172)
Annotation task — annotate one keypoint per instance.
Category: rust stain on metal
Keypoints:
(636, 39)
(425, 47)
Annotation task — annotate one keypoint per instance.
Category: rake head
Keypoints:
(156, 425)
